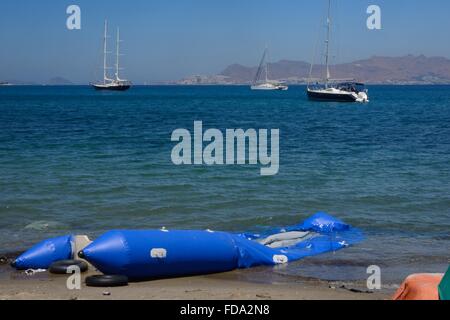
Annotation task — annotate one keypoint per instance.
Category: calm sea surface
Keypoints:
(73, 160)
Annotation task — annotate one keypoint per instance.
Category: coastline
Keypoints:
(174, 84)
(224, 286)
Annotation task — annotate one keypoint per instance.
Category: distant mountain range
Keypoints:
(376, 70)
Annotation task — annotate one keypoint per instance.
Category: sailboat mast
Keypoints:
(261, 69)
(117, 54)
(327, 42)
(105, 52)
(267, 65)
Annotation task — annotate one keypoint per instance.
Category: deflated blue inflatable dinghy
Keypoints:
(170, 253)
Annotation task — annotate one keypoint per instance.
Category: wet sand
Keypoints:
(237, 285)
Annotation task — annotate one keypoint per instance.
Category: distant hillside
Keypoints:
(383, 70)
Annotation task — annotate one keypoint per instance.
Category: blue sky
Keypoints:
(171, 39)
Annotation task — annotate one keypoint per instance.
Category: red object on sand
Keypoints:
(419, 287)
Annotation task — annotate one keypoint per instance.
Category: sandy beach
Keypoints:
(237, 285)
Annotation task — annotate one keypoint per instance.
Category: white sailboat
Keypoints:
(333, 89)
(115, 84)
(266, 84)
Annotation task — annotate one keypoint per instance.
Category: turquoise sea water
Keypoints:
(73, 160)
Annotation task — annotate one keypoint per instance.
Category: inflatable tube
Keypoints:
(155, 254)
(61, 267)
(160, 254)
(42, 255)
(107, 281)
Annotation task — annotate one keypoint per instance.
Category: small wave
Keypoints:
(43, 225)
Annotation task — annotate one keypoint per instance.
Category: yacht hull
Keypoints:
(333, 97)
(270, 87)
(101, 87)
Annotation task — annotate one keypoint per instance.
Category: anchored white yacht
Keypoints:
(333, 89)
(115, 84)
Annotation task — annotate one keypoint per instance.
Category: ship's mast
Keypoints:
(117, 54)
(327, 43)
(267, 64)
(105, 52)
(261, 68)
